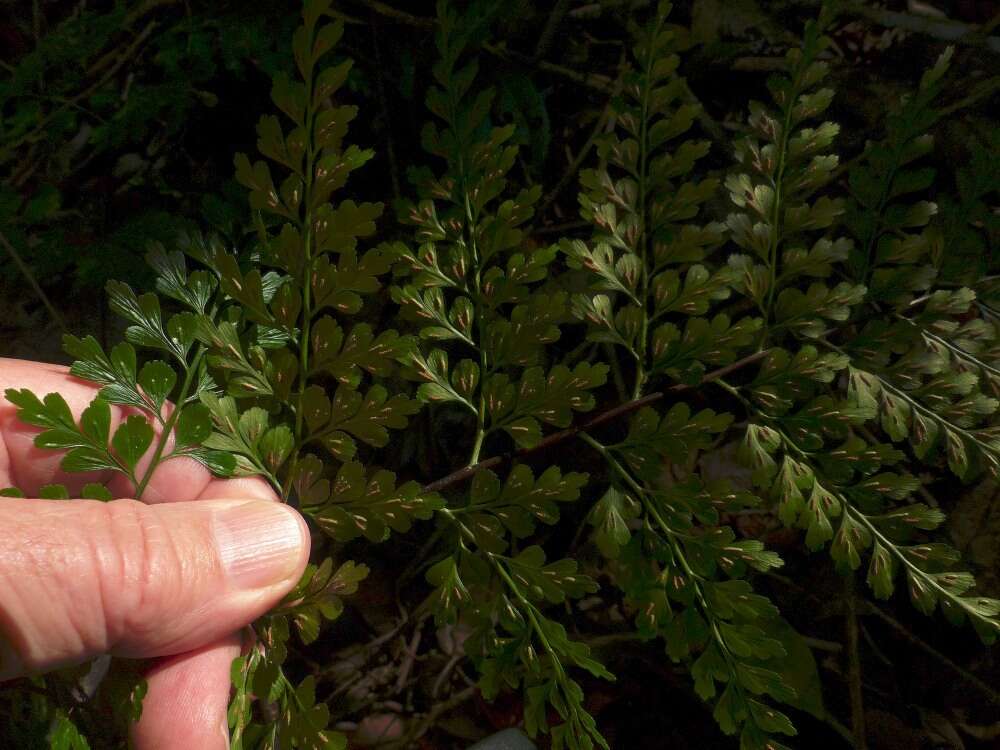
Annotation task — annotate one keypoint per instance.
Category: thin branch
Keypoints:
(980, 91)
(409, 656)
(426, 722)
(549, 31)
(390, 147)
(950, 31)
(759, 64)
(26, 272)
(854, 667)
(400, 15)
(818, 644)
(562, 228)
(987, 690)
(594, 81)
(622, 410)
(144, 9)
(130, 19)
(122, 57)
(839, 728)
(574, 165)
(990, 26)
(445, 671)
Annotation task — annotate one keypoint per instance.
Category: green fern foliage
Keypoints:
(778, 224)
(89, 444)
(826, 418)
(658, 295)
(805, 315)
(473, 286)
(300, 376)
(646, 251)
(265, 364)
(943, 403)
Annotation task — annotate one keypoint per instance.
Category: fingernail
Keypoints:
(260, 543)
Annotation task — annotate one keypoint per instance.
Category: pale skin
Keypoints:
(165, 578)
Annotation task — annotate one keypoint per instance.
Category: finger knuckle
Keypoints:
(139, 570)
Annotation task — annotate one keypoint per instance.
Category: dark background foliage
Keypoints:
(118, 122)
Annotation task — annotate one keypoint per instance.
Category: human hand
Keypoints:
(158, 578)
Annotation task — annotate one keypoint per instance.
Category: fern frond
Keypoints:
(890, 258)
(867, 509)
(787, 160)
(657, 295)
(640, 200)
(474, 290)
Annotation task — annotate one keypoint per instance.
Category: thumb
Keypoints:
(82, 578)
